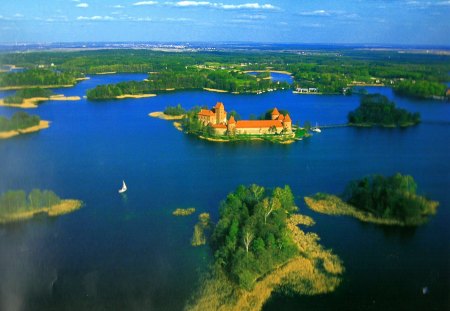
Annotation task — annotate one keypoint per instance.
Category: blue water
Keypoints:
(129, 253)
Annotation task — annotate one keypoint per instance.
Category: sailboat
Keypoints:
(316, 129)
(124, 187)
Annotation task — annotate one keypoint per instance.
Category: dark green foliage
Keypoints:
(376, 109)
(420, 89)
(251, 236)
(174, 110)
(391, 197)
(37, 77)
(185, 79)
(27, 93)
(19, 120)
(17, 201)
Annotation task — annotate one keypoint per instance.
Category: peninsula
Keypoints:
(259, 249)
(21, 123)
(381, 200)
(17, 206)
(31, 97)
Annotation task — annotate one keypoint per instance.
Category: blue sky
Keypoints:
(293, 21)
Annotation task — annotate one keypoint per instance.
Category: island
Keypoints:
(170, 113)
(21, 123)
(259, 249)
(15, 205)
(203, 225)
(377, 199)
(377, 110)
(184, 211)
(31, 97)
(217, 126)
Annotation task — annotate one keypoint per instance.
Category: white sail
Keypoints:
(124, 187)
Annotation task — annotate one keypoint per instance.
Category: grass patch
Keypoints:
(184, 211)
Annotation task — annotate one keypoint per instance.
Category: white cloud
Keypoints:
(118, 6)
(316, 13)
(252, 16)
(219, 5)
(146, 3)
(180, 19)
(95, 18)
(18, 15)
(82, 5)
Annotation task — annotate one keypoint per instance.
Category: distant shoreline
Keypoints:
(134, 96)
(42, 125)
(19, 87)
(214, 90)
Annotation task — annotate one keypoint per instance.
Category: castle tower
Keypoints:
(287, 123)
(221, 114)
(231, 126)
(275, 113)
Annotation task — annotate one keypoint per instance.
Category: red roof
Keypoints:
(219, 105)
(275, 111)
(258, 123)
(219, 126)
(207, 113)
(232, 120)
(281, 117)
(287, 118)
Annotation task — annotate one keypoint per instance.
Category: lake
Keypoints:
(129, 253)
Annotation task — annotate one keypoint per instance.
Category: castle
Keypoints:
(217, 119)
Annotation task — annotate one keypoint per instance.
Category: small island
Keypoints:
(184, 211)
(217, 125)
(377, 110)
(17, 206)
(21, 123)
(380, 200)
(170, 113)
(31, 97)
(259, 249)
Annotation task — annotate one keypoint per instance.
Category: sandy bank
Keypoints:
(82, 79)
(106, 73)
(32, 102)
(42, 125)
(214, 90)
(178, 126)
(274, 71)
(163, 116)
(135, 96)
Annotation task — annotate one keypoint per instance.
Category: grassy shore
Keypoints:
(163, 116)
(42, 125)
(333, 205)
(184, 211)
(33, 102)
(65, 207)
(314, 271)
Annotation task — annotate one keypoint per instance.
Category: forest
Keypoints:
(17, 201)
(38, 77)
(376, 109)
(393, 197)
(187, 79)
(330, 71)
(251, 236)
(20, 120)
(22, 94)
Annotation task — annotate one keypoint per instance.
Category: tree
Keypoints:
(248, 238)
(269, 206)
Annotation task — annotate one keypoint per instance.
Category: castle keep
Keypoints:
(217, 119)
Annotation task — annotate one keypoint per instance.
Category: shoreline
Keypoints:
(315, 270)
(28, 103)
(214, 90)
(64, 207)
(161, 115)
(19, 87)
(134, 96)
(274, 71)
(42, 125)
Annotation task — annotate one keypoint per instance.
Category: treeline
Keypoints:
(376, 109)
(174, 110)
(17, 201)
(391, 197)
(251, 237)
(420, 89)
(37, 77)
(20, 120)
(232, 81)
(22, 94)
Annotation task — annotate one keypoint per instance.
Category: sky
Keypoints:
(388, 22)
